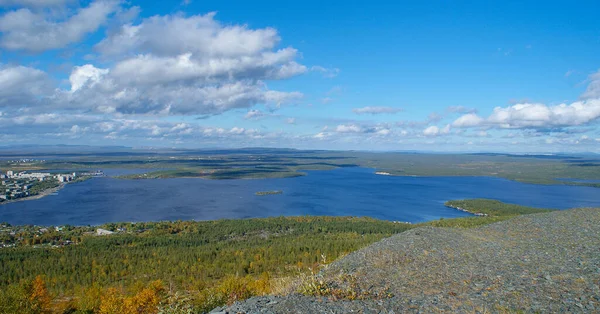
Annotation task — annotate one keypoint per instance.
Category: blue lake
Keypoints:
(341, 192)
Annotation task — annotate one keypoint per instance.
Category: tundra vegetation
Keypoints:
(259, 163)
(183, 266)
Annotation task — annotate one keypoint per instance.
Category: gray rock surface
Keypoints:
(535, 263)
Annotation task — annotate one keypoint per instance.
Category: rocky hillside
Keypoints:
(547, 262)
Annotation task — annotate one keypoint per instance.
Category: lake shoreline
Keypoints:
(45, 193)
(37, 196)
(465, 210)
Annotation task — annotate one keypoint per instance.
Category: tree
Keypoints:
(145, 301)
(28, 298)
(111, 302)
(39, 297)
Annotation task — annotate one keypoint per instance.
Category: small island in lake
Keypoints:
(263, 193)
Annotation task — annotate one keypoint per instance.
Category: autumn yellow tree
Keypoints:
(39, 297)
(146, 300)
(111, 302)
(88, 299)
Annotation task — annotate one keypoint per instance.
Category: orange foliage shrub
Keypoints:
(145, 301)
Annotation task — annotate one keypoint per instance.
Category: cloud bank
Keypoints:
(535, 116)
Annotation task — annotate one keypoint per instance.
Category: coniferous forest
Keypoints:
(144, 267)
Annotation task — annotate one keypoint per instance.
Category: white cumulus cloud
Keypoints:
(534, 115)
(86, 74)
(376, 110)
(467, 120)
(254, 114)
(348, 128)
(175, 65)
(33, 3)
(22, 86)
(593, 89)
(24, 29)
(435, 131)
(171, 35)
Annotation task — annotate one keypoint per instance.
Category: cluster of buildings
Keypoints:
(12, 236)
(37, 176)
(39, 236)
(17, 185)
(25, 161)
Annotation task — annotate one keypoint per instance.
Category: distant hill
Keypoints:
(60, 150)
(87, 150)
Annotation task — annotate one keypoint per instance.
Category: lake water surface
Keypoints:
(339, 192)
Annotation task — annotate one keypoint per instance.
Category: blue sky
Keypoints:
(435, 76)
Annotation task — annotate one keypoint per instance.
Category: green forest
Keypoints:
(180, 266)
(210, 263)
(494, 207)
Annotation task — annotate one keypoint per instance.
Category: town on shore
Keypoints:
(22, 184)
